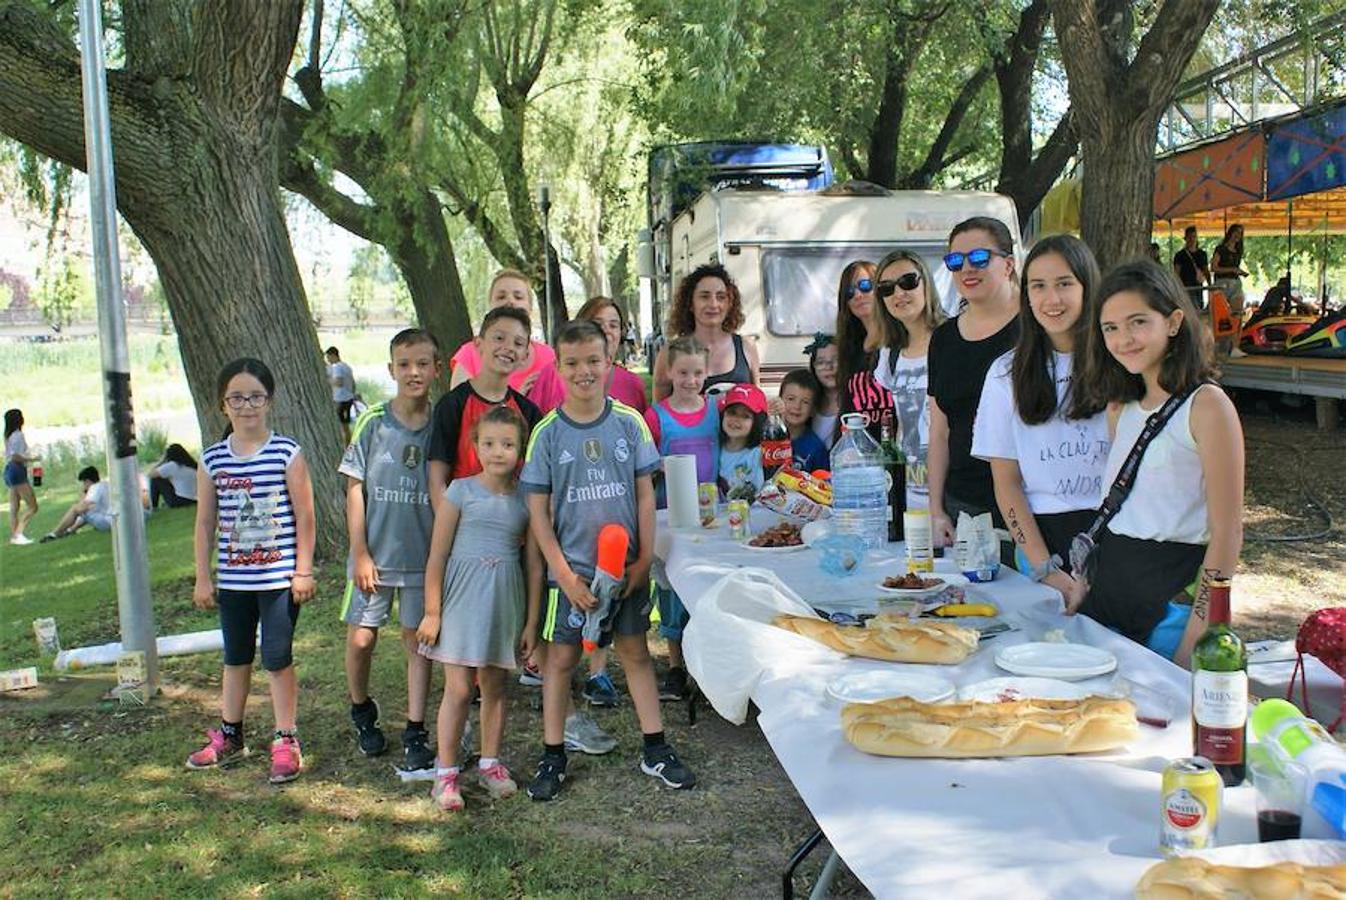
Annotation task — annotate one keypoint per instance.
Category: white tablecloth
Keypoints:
(1030, 827)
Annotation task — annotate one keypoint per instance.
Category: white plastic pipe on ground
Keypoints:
(168, 645)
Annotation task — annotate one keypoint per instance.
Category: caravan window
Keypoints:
(799, 283)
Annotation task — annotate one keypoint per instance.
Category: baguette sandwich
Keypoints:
(906, 727)
(1190, 878)
(890, 637)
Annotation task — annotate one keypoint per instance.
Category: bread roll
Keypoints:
(906, 727)
(1190, 878)
(890, 637)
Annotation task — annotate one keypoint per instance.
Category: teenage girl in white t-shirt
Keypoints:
(909, 311)
(1182, 524)
(1046, 459)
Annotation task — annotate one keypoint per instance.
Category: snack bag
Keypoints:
(977, 547)
(791, 504)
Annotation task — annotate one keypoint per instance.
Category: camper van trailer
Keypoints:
(786, 250)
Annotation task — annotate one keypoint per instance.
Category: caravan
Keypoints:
(785, 248)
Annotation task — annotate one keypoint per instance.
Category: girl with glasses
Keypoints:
(981, 258)
(860, 334)
(824, 364)
(1046, 456)
(910, 310)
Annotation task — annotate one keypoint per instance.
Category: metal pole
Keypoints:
(135, 611)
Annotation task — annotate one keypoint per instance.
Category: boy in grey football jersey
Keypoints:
(389, 521)
(589, 463)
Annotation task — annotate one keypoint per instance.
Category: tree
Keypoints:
(1117, 98)
(373, 132)
(194, 133)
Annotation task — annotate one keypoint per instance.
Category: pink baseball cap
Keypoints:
(748, 394)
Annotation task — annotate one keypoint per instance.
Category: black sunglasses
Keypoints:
(977, 259)
(908, 282)
(863, 286)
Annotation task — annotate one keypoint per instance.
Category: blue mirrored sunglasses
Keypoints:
(977, 259)
(863, 286)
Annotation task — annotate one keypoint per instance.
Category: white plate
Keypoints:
(868, 687)
(1069, 662)
(995, 689)
(949, 578)
(746, 546)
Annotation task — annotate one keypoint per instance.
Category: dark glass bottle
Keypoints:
(1220, 690)
(895, 464)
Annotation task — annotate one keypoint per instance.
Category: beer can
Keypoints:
(1189, 805)
(738, 520)
(707, 501)
(920, 540)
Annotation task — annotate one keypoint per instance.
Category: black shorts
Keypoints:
(1135, 580)
(344, 410)
(240, 614)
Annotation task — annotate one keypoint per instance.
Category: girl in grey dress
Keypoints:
(480, 606)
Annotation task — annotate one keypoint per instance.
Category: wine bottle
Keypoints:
(1220, 690)
(895, 465)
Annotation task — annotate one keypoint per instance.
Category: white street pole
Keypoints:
(135, 611)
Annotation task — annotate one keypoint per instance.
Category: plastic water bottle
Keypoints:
(1287, 734)
(859, 484)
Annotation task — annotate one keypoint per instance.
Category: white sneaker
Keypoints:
(20, 540)
(1236, 353)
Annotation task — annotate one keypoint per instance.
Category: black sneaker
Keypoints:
(416, 753)
(674, 685)
(367, 731)
(661, 762)
(546, 783)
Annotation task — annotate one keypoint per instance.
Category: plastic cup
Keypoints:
(1280, 799)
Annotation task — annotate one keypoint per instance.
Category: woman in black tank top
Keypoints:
(708, 306)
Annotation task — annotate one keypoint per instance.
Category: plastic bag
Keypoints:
(977, 547)
(730, 638)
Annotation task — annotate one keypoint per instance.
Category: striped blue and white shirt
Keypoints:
(256, 537)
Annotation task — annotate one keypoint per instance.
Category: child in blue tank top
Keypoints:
(684, 423)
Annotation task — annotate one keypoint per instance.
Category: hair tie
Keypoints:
(820, 340)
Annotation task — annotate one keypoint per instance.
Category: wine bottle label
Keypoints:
(1220, 699)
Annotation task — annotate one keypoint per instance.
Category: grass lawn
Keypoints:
(97, 800)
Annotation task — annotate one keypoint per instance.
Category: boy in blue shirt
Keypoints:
(589, 463)
(799, 393)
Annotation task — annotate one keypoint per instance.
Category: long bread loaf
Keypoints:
(1190, 878)
(906, 727)
(890, 637)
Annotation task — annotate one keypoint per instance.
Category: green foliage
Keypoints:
(64, 294)
(151, 442)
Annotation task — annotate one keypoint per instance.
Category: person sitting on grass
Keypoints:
(93, 508)
(174, 479)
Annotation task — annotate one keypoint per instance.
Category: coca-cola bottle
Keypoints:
(1220, 690)
(776, 449)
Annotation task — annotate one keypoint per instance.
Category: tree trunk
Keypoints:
(233, 289)
(424, 255)
(194, 149)
(1117, 209)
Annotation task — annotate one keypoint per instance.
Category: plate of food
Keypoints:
(782, 538)
(878, 684)
(1068, 662)
(1002, 690)
(913, 584)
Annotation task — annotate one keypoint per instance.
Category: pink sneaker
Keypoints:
(497, 782)
(218, 751)
(286, 760)
(445, 793)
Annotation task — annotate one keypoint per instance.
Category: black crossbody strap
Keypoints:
(1126, 475)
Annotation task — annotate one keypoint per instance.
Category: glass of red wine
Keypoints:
(1280, 798)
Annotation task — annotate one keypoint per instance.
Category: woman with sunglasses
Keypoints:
(860, 334)
(910, 310)
(823, 362)
(981, 258)
(709, 308)
(1047, 455)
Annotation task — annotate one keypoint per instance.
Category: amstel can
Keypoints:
(1189, 805)
(738, 520)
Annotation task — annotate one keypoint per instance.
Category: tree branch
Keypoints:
(315, 37)
(505, 253)
(158, 37)
(1167, 47)
(935, 159)
(242, 51)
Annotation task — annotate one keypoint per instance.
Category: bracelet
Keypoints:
(1039, 573)
(302, 575)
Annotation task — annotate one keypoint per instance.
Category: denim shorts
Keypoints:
(15, 474)
(673, 616)
(1167, 635)
(240, 614)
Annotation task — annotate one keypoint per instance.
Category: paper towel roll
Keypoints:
(680, 486)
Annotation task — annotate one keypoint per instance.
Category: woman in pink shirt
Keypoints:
(623, 385)
(536, 379)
